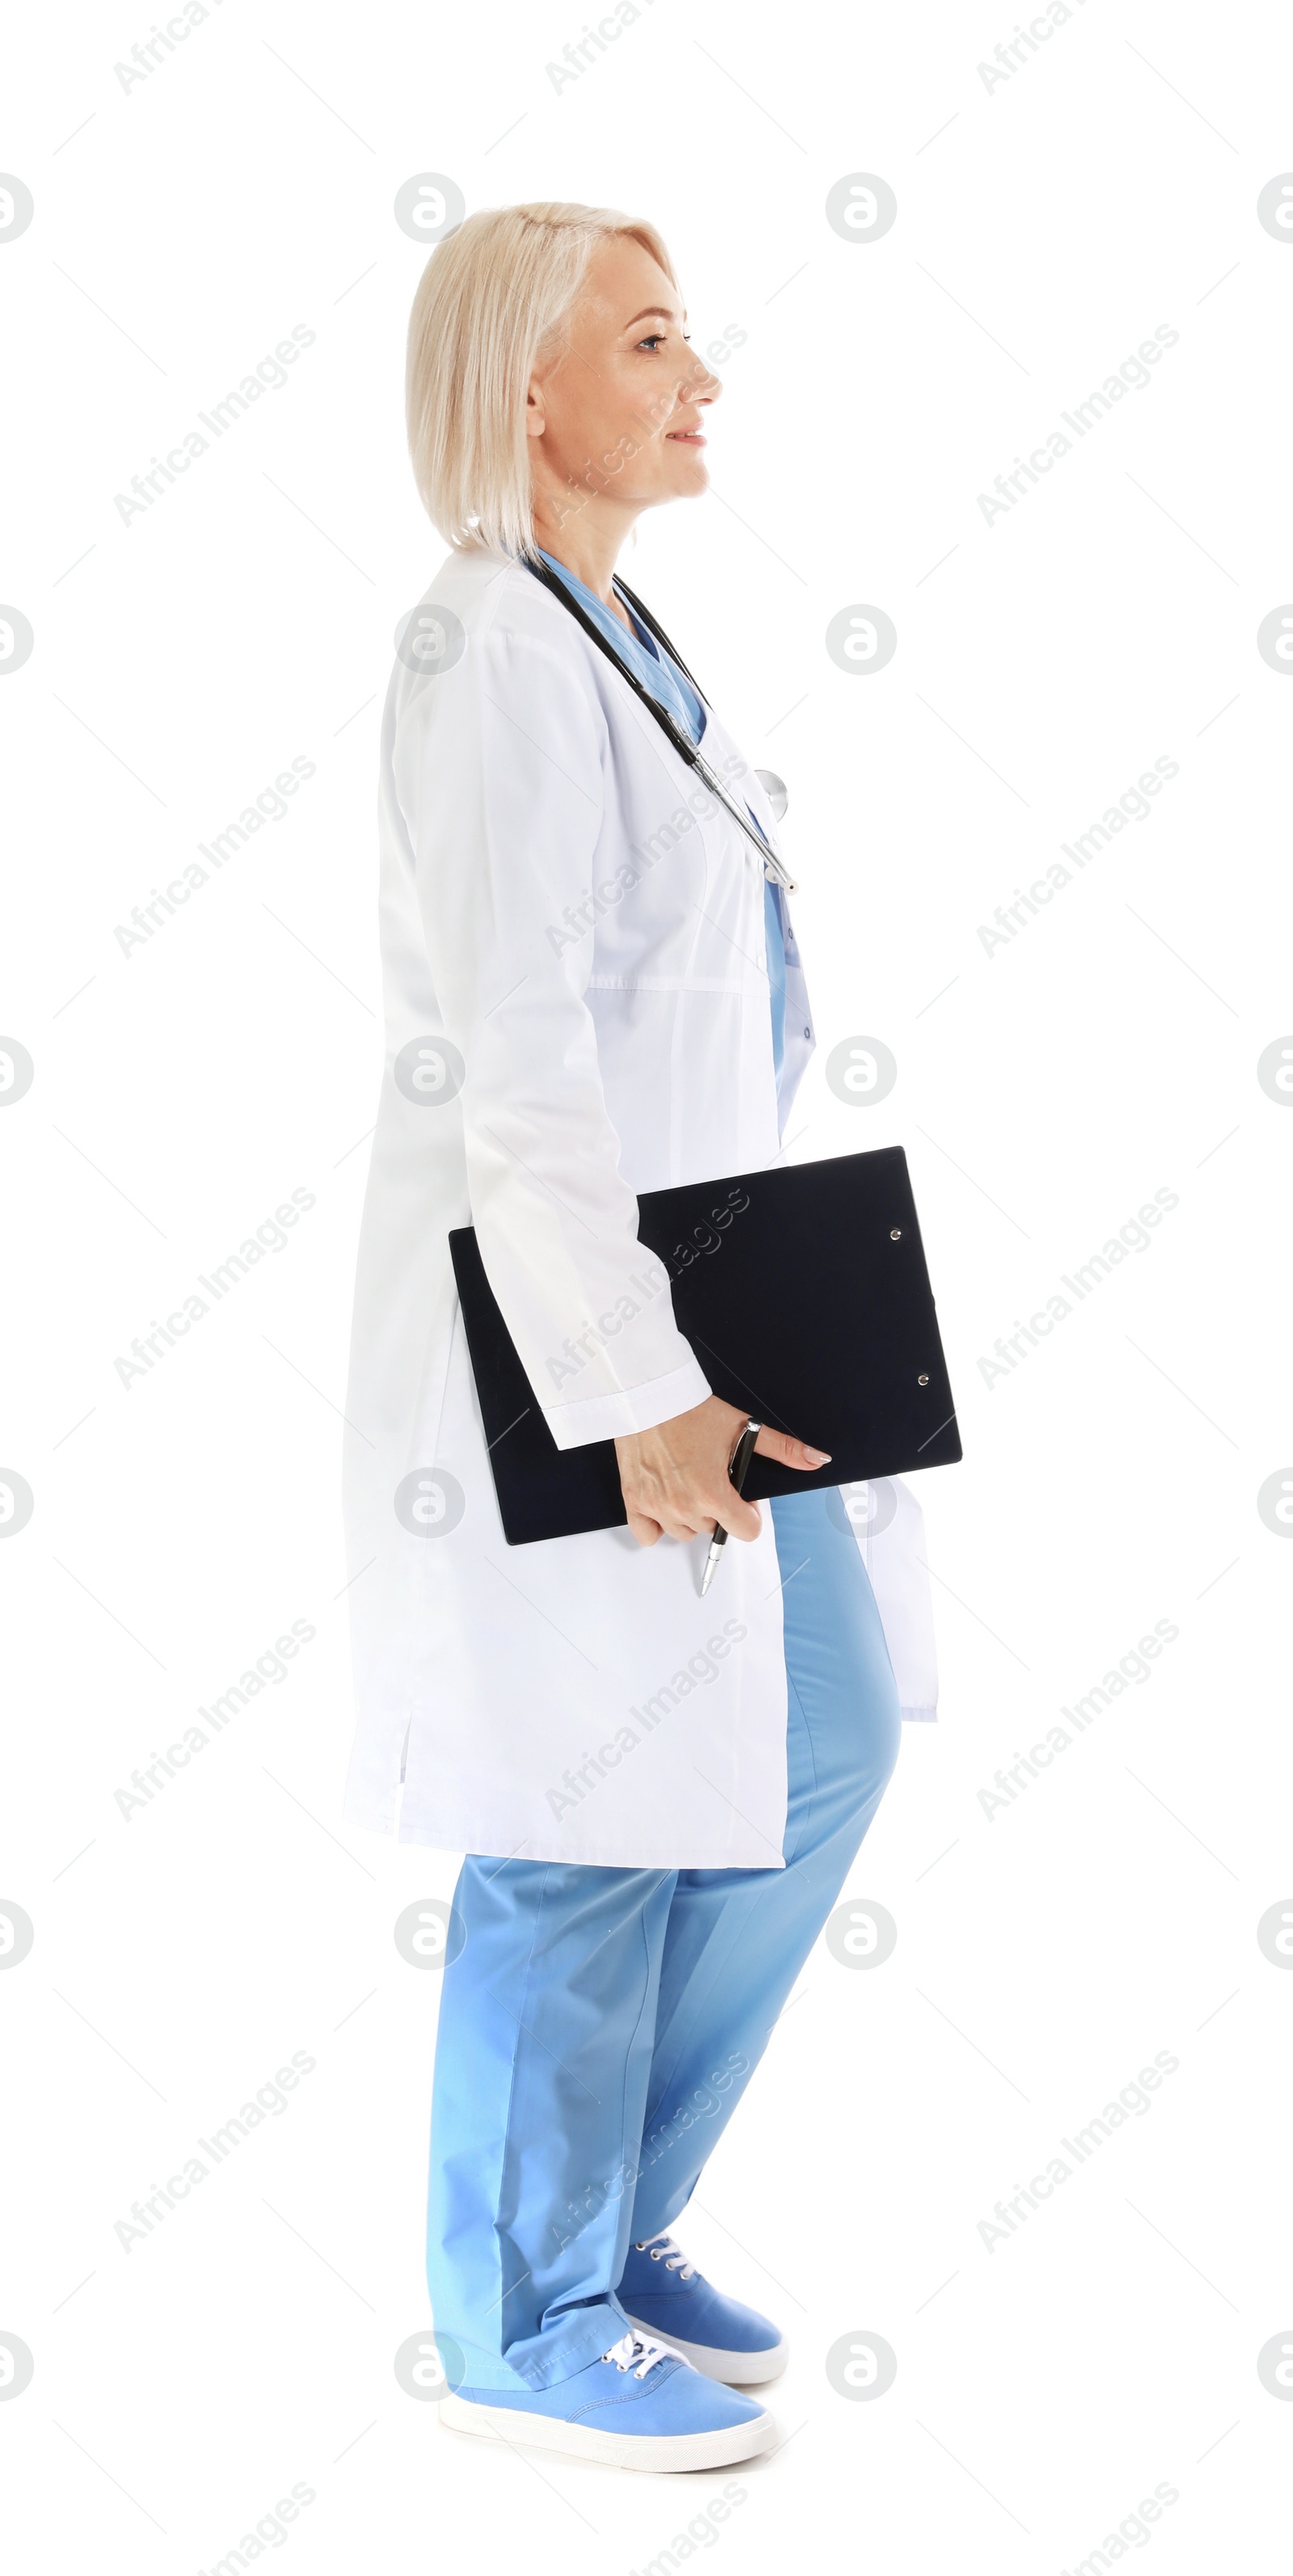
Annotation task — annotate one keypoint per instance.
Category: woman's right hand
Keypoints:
(675, 1477)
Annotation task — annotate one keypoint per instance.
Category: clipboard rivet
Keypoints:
(922, 1381)
(895, 1234)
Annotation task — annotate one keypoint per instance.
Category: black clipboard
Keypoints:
(804, 1294)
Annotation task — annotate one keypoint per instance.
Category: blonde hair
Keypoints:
(490, 306)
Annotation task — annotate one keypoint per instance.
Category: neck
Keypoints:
(586, 541)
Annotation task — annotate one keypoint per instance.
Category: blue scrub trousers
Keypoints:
(598, 2026)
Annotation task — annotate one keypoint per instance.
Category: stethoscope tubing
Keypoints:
(682, 743)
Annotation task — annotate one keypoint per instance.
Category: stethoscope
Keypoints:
(681, 741)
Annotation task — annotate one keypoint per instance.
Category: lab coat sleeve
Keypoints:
(500, 763)
(893, 1551)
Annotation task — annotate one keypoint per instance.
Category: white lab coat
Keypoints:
(584, 925)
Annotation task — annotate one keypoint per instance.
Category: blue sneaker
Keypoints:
(639, 2407)
(665, 2295)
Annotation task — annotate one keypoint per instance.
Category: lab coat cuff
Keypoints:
(635, 1408)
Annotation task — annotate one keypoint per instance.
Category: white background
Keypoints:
(1045, 227)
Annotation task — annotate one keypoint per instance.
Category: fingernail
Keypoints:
(818, 1457)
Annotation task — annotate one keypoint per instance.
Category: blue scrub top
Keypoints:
(659, 673)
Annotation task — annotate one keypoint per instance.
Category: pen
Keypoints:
(738, 1469)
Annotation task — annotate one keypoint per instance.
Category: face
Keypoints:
(619, 415)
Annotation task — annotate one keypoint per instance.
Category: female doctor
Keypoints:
(592, 989)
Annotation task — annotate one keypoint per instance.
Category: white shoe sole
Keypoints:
(718, 2450)
(736, 2369)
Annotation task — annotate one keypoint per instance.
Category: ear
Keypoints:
(535, 417)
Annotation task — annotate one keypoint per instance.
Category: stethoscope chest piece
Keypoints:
(774, 789)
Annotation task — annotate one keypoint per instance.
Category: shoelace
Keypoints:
(639, 2353)
(662, 2248)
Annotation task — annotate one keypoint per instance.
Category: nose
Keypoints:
(699, 384)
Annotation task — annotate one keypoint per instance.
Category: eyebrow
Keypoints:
(656, 312)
